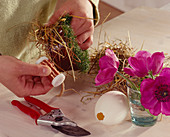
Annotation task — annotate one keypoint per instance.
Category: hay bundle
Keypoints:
(123, 51)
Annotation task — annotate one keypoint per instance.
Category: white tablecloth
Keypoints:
(144, 24)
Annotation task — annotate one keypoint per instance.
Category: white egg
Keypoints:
(112, 108)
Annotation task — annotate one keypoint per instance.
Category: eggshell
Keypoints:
(112, 108)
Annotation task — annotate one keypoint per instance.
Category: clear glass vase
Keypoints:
(139, 115)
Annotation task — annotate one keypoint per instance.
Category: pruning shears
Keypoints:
(54, 117)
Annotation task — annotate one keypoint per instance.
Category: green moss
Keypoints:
(71, 42)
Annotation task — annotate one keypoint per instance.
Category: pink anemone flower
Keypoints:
(155, 94)
(108, 67)
(144, 62)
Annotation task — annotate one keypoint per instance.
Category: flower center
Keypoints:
(162, 93)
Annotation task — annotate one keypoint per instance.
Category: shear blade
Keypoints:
(71, 130)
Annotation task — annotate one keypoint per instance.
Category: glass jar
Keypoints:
(139, 115)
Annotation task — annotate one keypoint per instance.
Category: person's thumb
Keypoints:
(35, 70)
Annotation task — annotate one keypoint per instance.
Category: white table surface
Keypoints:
(144, 24)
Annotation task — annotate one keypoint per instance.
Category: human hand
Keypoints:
(83, 27)
(24, 79)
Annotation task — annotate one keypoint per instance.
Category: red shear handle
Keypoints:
(40, 104)
(31, 112)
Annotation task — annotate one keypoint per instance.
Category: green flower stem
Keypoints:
(132, 84)
(147, 110)
(150, 74)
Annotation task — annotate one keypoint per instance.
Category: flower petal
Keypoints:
(139, 66)
(156, 63)
(111, 54)
(156, 110)
(129, 71)
(165, 72)
(107, 62)
(148, 99)
(143, 54)
(163, 81)
(105, 76)
(147, 89)
(165, 109)
(147, 84)
(149, 103)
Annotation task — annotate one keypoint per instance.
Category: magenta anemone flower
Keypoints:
(108, 67)
(155, 94)
(144, 62)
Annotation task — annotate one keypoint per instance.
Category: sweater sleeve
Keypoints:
(95, 4)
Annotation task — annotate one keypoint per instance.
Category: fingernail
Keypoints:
(79, 42)
(46, 70)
